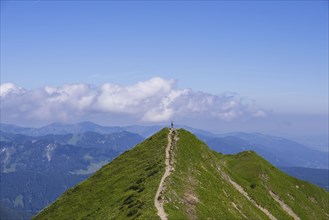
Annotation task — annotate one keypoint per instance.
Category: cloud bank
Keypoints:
(154, 100)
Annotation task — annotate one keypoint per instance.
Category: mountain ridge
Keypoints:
(279, 151)
(78, 128)
(269, 146)
(202, 184)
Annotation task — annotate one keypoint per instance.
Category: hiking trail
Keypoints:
(158, 200)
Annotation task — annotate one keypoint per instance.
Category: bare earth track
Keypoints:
(158, 200)
(284, 206)
(245, 194)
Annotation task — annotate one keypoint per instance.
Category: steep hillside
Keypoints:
(197, 189)
(174, 175)
(124, 188)
(271, 187)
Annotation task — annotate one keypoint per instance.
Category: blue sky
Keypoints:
(273, 54)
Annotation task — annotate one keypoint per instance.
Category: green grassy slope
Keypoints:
(199, 187)
(122, 189)
(258, 177)
(196, 190)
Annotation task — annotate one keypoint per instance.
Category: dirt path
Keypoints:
(284, 206)
(246, 195)
(158, 200)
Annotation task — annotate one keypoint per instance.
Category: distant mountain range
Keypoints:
(318, 177)
(56, 157)
(67, 153)
(279, 151)
(78, 128)
(36, 170)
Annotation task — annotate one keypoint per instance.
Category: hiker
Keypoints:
(172, 124)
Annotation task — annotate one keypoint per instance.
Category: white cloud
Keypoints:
(154, 100)
(132, 99)
(10, 88)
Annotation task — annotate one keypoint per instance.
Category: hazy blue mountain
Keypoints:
(279, 151)
(82, 127)
(61, 128)
(62, 153)
(28, 192)
(144, 131)
(9, 128)
(199, 132)
(13, 214)
(78, 128)
(319, 177)
(36, 170)
(318, 142)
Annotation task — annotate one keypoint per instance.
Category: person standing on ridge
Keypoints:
(172, 124)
